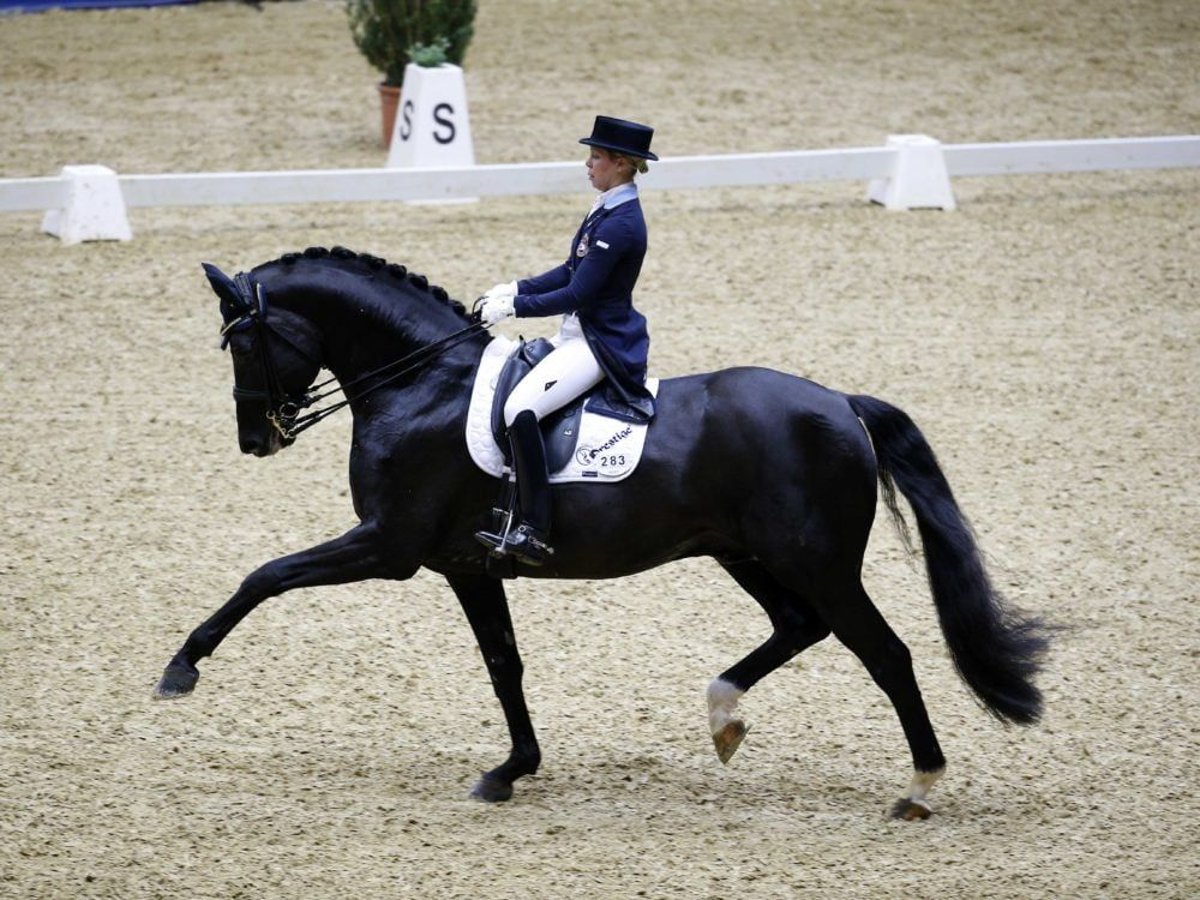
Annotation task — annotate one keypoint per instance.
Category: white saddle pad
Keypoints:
(608, 449)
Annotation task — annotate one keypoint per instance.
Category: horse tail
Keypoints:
(996, 650)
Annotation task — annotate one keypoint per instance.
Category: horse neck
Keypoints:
(368, 323)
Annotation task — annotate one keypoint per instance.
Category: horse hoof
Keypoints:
(910, 810)
(729, 738)
(490, 789)
(178, 680)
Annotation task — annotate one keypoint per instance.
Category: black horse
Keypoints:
(773, 476)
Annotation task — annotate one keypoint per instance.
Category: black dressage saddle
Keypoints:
(560, 429)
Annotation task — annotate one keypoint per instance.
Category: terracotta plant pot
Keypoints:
(389, 99)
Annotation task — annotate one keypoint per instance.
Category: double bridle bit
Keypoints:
(283, 410)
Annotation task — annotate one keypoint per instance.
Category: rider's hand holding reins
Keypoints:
(495, 307)
(503, 289)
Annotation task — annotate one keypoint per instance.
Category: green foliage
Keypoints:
(430, 55)
(392, 33)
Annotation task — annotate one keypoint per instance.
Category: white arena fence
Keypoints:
(911, 171)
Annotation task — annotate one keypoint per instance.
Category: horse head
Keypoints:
(276, 357)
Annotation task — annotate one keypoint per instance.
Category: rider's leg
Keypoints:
(557, 380)
(529, 540)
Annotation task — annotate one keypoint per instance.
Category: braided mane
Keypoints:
(378, 265)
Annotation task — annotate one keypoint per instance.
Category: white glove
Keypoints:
(504, 289)
(496, 307)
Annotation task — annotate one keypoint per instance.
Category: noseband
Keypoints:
(283, 409)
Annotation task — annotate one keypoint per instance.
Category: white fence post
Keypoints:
(919, 179)
(94, 208)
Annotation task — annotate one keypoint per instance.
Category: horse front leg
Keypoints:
(354, 556)
(483, 601)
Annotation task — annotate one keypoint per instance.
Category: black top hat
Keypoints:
(628, 138)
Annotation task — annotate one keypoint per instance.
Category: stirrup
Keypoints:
(529, 545)
(501, 521)
(526, 543)
(494, 540)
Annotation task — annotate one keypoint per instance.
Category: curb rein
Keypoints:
(284, 410)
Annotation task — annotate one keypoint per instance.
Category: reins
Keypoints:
(289, 423)
(283, 411)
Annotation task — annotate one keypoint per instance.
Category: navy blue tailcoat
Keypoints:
(596, 282)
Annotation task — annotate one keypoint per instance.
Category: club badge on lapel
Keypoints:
(582, 249)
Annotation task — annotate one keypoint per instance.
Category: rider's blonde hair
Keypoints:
(638, 164)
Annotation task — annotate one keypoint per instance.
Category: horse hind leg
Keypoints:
(913, 805)
(795, 627)
(861, 628)
(727, 729)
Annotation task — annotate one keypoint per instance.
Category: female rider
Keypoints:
(602, 335)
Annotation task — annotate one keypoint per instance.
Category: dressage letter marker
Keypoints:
(432, 125)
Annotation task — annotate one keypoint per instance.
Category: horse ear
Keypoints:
(224, 287)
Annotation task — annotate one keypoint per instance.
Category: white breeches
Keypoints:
(558, 379)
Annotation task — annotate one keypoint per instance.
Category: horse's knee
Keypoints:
(265, 581)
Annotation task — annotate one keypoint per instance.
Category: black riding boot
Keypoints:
(526, 540)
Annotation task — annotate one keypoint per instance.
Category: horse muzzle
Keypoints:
(259, 445)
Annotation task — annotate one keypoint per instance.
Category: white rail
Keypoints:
(88, 203)
(858, 164)
(1037, 157)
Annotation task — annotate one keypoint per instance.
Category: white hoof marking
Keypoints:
(722, 703)
(921, 783)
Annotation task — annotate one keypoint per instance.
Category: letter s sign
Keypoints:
(442, 114)
(406, 121)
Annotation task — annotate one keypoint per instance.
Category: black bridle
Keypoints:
(284, 409)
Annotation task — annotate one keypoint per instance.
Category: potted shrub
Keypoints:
(393, 33)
